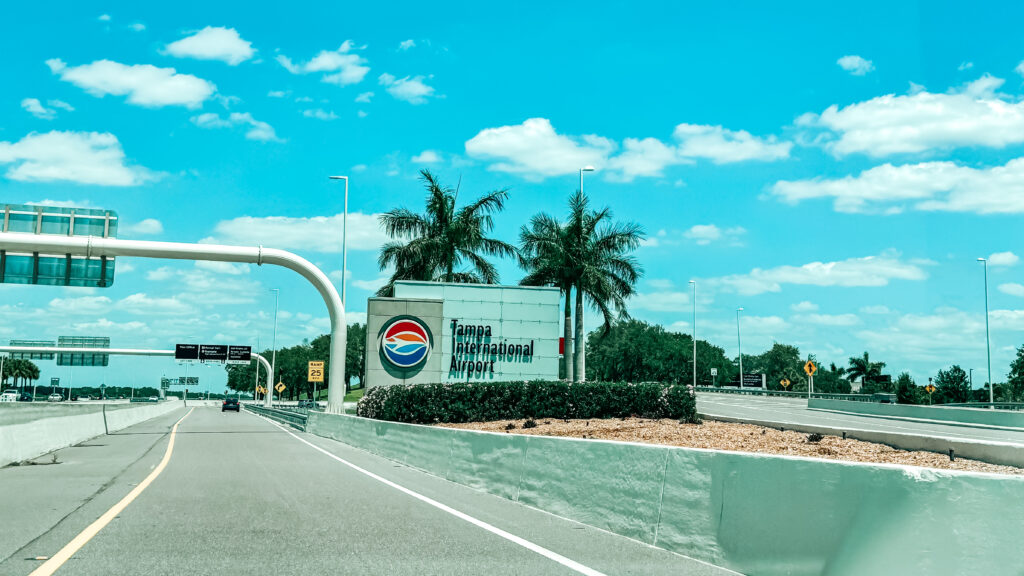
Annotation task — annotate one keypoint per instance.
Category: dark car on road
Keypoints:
(230, 404)
(25, 397)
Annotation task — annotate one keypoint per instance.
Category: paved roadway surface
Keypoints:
(795, 411)
(242, 496)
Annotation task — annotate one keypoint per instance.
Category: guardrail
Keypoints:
(994, 405)
(759, 392)
(292, 418)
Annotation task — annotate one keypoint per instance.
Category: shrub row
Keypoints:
(487, 401)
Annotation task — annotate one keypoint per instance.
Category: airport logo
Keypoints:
(405, 342)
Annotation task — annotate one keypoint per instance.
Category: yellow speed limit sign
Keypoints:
(316, 372)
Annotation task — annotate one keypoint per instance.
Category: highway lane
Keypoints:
(794, 410)
(240, 495)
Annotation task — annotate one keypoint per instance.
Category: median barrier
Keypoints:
(756, 514)
(28, 431)
(980, 416)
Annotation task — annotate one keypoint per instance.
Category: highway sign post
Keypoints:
(810, 369)
(714, 374)
(23, 241)
(56, 269)
(316, 374)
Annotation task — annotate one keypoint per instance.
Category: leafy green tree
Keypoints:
(1014, 388)
(953, 386)
(635, 351)
(906, 391)
(869, 372)
(831, 380)
(545, 255)
(444, 244)
(593, 256)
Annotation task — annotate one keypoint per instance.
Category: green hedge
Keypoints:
(487, 401)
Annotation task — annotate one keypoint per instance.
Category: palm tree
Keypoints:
(545, 256)
(865, 369)
(590, 254)
(443, 239)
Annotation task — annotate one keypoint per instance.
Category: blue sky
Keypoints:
(835, 171)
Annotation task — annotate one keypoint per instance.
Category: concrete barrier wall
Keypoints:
(954, 415)
(28, 431)
(756, 514)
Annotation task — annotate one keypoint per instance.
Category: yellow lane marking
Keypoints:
(58, 559)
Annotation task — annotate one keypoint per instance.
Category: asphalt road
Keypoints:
(240, 495)
(795, 411)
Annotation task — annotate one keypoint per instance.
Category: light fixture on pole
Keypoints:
(582, 170)
(268, 399)
(988, 342)
(739, 344)
(344, 238)
(693, 331)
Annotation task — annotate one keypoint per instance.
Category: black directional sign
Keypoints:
(213, 353)
(239, 354)
(186, 351)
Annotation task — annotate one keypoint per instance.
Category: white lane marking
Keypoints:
(65, 553)
(571, 564)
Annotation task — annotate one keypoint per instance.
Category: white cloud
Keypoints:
(870, 271)
(966, 66)
(855, 65)
(660, 283)
(104, 326)
(317, 234)
(1013, 289)
(213, 43)
(143, 84)
(34, 107)
(1003, 259)
(535, 150)
(229, 268)
(827, 319)
(364, 97)
(970, 115)
(137, 26)
(804, 306)
(371, 285)
(664, 301)
(257, 130)
(64, 204)
(303, 99)
(406, 44)
(61, 104)
(278, 93)
(427, 157)
(361, 114)
(142, 304)
(104, 18)
(341, 66)
(875, 309)
(646, 158)
(147, 227)
(410, 89)
(320, 114)
(926, 186)
(704, 234)
(82, 157)
(723, 146)
(82, 305)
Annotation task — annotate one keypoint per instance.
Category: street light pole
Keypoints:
(693, 283)
(581, 339)
(739, 344)
(344, 239)
(268, 400)
(988, 343)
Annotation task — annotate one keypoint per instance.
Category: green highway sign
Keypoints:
(83, 359)
(56, 269)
